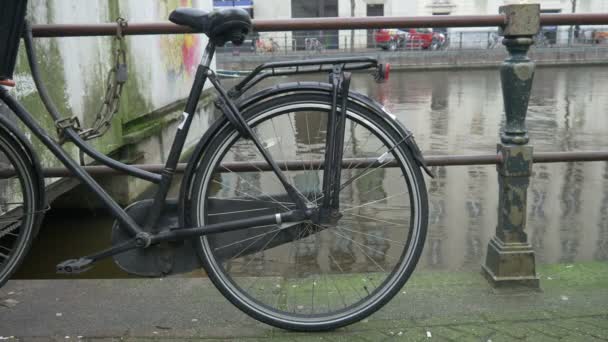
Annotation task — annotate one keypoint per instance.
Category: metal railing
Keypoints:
(327, 42)
(109, 29)
(439, 160)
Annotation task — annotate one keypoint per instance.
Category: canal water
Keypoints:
(452, 112)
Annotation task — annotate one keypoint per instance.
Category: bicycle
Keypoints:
(305, 202)
(313, 44)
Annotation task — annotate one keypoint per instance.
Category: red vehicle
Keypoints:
(390, 39)
(422, 38)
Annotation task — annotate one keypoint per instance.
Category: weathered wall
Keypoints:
(161, 71)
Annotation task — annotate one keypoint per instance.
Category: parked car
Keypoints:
(600, 37)
(422, 38)
(425, 38)
(390, 39)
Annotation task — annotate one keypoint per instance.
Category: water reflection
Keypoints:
(601, 252)
(460, 112)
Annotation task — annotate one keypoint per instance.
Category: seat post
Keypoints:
(208, 54)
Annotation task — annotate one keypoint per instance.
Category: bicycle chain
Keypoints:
(117, 77)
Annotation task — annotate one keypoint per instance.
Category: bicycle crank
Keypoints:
(159, 259)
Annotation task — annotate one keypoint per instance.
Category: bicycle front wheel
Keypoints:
(18, 210)
(307, 276)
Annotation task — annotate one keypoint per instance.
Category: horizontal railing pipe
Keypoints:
(453, 160)
(260, 25)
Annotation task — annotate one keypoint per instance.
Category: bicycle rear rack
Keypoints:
(308, 66)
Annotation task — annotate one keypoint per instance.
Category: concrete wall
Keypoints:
(161, 70)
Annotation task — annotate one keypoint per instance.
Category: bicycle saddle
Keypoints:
(220, 26)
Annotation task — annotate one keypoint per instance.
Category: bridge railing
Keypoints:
(510, 258)
(303, 24)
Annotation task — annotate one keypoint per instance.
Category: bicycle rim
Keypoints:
(303, 276)
(16, 208)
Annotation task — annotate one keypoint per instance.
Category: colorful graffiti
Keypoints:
(181, 53)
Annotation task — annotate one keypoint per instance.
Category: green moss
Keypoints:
(52, 73)
(591, 275)
(154, 122)
(136, 133)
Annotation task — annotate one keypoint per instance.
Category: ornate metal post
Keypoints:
(510, 257)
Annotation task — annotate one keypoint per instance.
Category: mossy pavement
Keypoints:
(572, 305)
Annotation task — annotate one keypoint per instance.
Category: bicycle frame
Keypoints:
(141, 236)
(164, 179)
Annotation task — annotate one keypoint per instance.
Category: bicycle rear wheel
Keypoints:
(307, 276)
(18, 211)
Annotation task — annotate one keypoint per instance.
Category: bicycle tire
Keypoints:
(19, 212)
(199, 212)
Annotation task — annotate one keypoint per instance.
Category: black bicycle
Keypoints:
(304, 203)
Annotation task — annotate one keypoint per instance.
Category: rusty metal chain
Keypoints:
(115, 81)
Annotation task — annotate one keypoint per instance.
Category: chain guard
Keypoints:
(180, 257)
(160, 260)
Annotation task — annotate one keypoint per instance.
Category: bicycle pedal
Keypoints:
(74, 266)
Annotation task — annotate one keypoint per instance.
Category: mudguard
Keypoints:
(27, 150)
(283, 90)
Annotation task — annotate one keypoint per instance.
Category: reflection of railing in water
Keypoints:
(355, 163)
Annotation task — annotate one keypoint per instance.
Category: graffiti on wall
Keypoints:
(181, 53)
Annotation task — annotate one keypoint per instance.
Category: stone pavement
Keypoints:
(433, 306)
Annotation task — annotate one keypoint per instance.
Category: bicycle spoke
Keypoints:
(373, 235)
(248, 195)
(364, 253)
(353, 129)
(254, 187)
(240, 211)
(293, 130)
(353, 241)
(254, 200)
(364, 173)
(342, 272)
(255, 150)
(376, 220)
(289, 175)
(383, 158)
(301, 233)
(376, 201)
(263, 248)
(383, 208)
(253, 237)
(379, 159)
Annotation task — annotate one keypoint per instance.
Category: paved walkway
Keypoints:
(433, 306)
